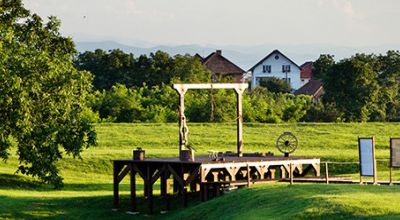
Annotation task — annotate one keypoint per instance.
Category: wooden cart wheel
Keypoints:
(287, 143)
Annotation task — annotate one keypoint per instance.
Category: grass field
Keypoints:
(88, 183)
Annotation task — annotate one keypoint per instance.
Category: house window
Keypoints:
(286, 68)
(276, 57)
(266, 68)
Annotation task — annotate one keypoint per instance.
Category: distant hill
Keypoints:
(243, 56)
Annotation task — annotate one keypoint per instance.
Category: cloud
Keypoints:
(347, 8)
(343, 6)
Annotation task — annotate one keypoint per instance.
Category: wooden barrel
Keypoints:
(187, 155)
(138, 154)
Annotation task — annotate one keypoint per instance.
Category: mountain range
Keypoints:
(244, 56)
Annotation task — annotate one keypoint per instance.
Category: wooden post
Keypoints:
(291, 173)
(390, 174)
(149, 189)
(283, 172)
(185, 197)
(248, 175)
(204, 188)
(326, 173)
(239, 93)
(116, 185)
(133, 190)
(165, 187)
(375, 172)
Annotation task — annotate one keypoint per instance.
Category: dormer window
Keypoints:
(266, 68)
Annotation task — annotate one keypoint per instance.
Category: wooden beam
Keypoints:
(157, 175)
(239, 86)
(192, 176)
(176, 176)
(139, 171)
(123, 173)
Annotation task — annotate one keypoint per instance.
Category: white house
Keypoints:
(276, 64)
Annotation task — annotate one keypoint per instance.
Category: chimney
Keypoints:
(219, 52)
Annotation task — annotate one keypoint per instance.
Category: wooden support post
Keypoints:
(248, 175)
(165, 183)
(165, 187)
(390, 174)
(272, 172)
(239, 92)
(116, 185)
(185, 197)
(291, 173)
(283, 172)
(326, 173)
(133, 190)
(149, 189)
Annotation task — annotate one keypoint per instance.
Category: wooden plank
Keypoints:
(260, 163)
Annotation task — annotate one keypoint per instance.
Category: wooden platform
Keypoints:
(205, 176)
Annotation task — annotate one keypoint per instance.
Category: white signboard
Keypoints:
(367, 156)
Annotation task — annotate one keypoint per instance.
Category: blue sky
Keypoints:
(354, 23)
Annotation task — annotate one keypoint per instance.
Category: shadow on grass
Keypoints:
(18, 182)
(9, 181)
(92, 207)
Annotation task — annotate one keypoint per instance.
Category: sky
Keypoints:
(351, 23)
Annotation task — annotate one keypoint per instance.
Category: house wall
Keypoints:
(276, 71)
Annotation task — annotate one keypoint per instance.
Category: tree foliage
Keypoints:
(276, 85)
(42, 95)
(364, 87)
(115, 66)
(322, 65)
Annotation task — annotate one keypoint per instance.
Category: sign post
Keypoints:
(366, 147)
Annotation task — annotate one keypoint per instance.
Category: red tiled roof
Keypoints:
(306, 70)
(218, 64)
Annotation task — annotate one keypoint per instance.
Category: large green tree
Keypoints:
(354, 87)
(322, 65)
(42, 95)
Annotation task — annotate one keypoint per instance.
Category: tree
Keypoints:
(42, 95)
(275, 85)
(352, 85)
(322, 65)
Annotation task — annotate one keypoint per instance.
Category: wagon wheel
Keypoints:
(287, 143)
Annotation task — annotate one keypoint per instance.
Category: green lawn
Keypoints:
(88, 183)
